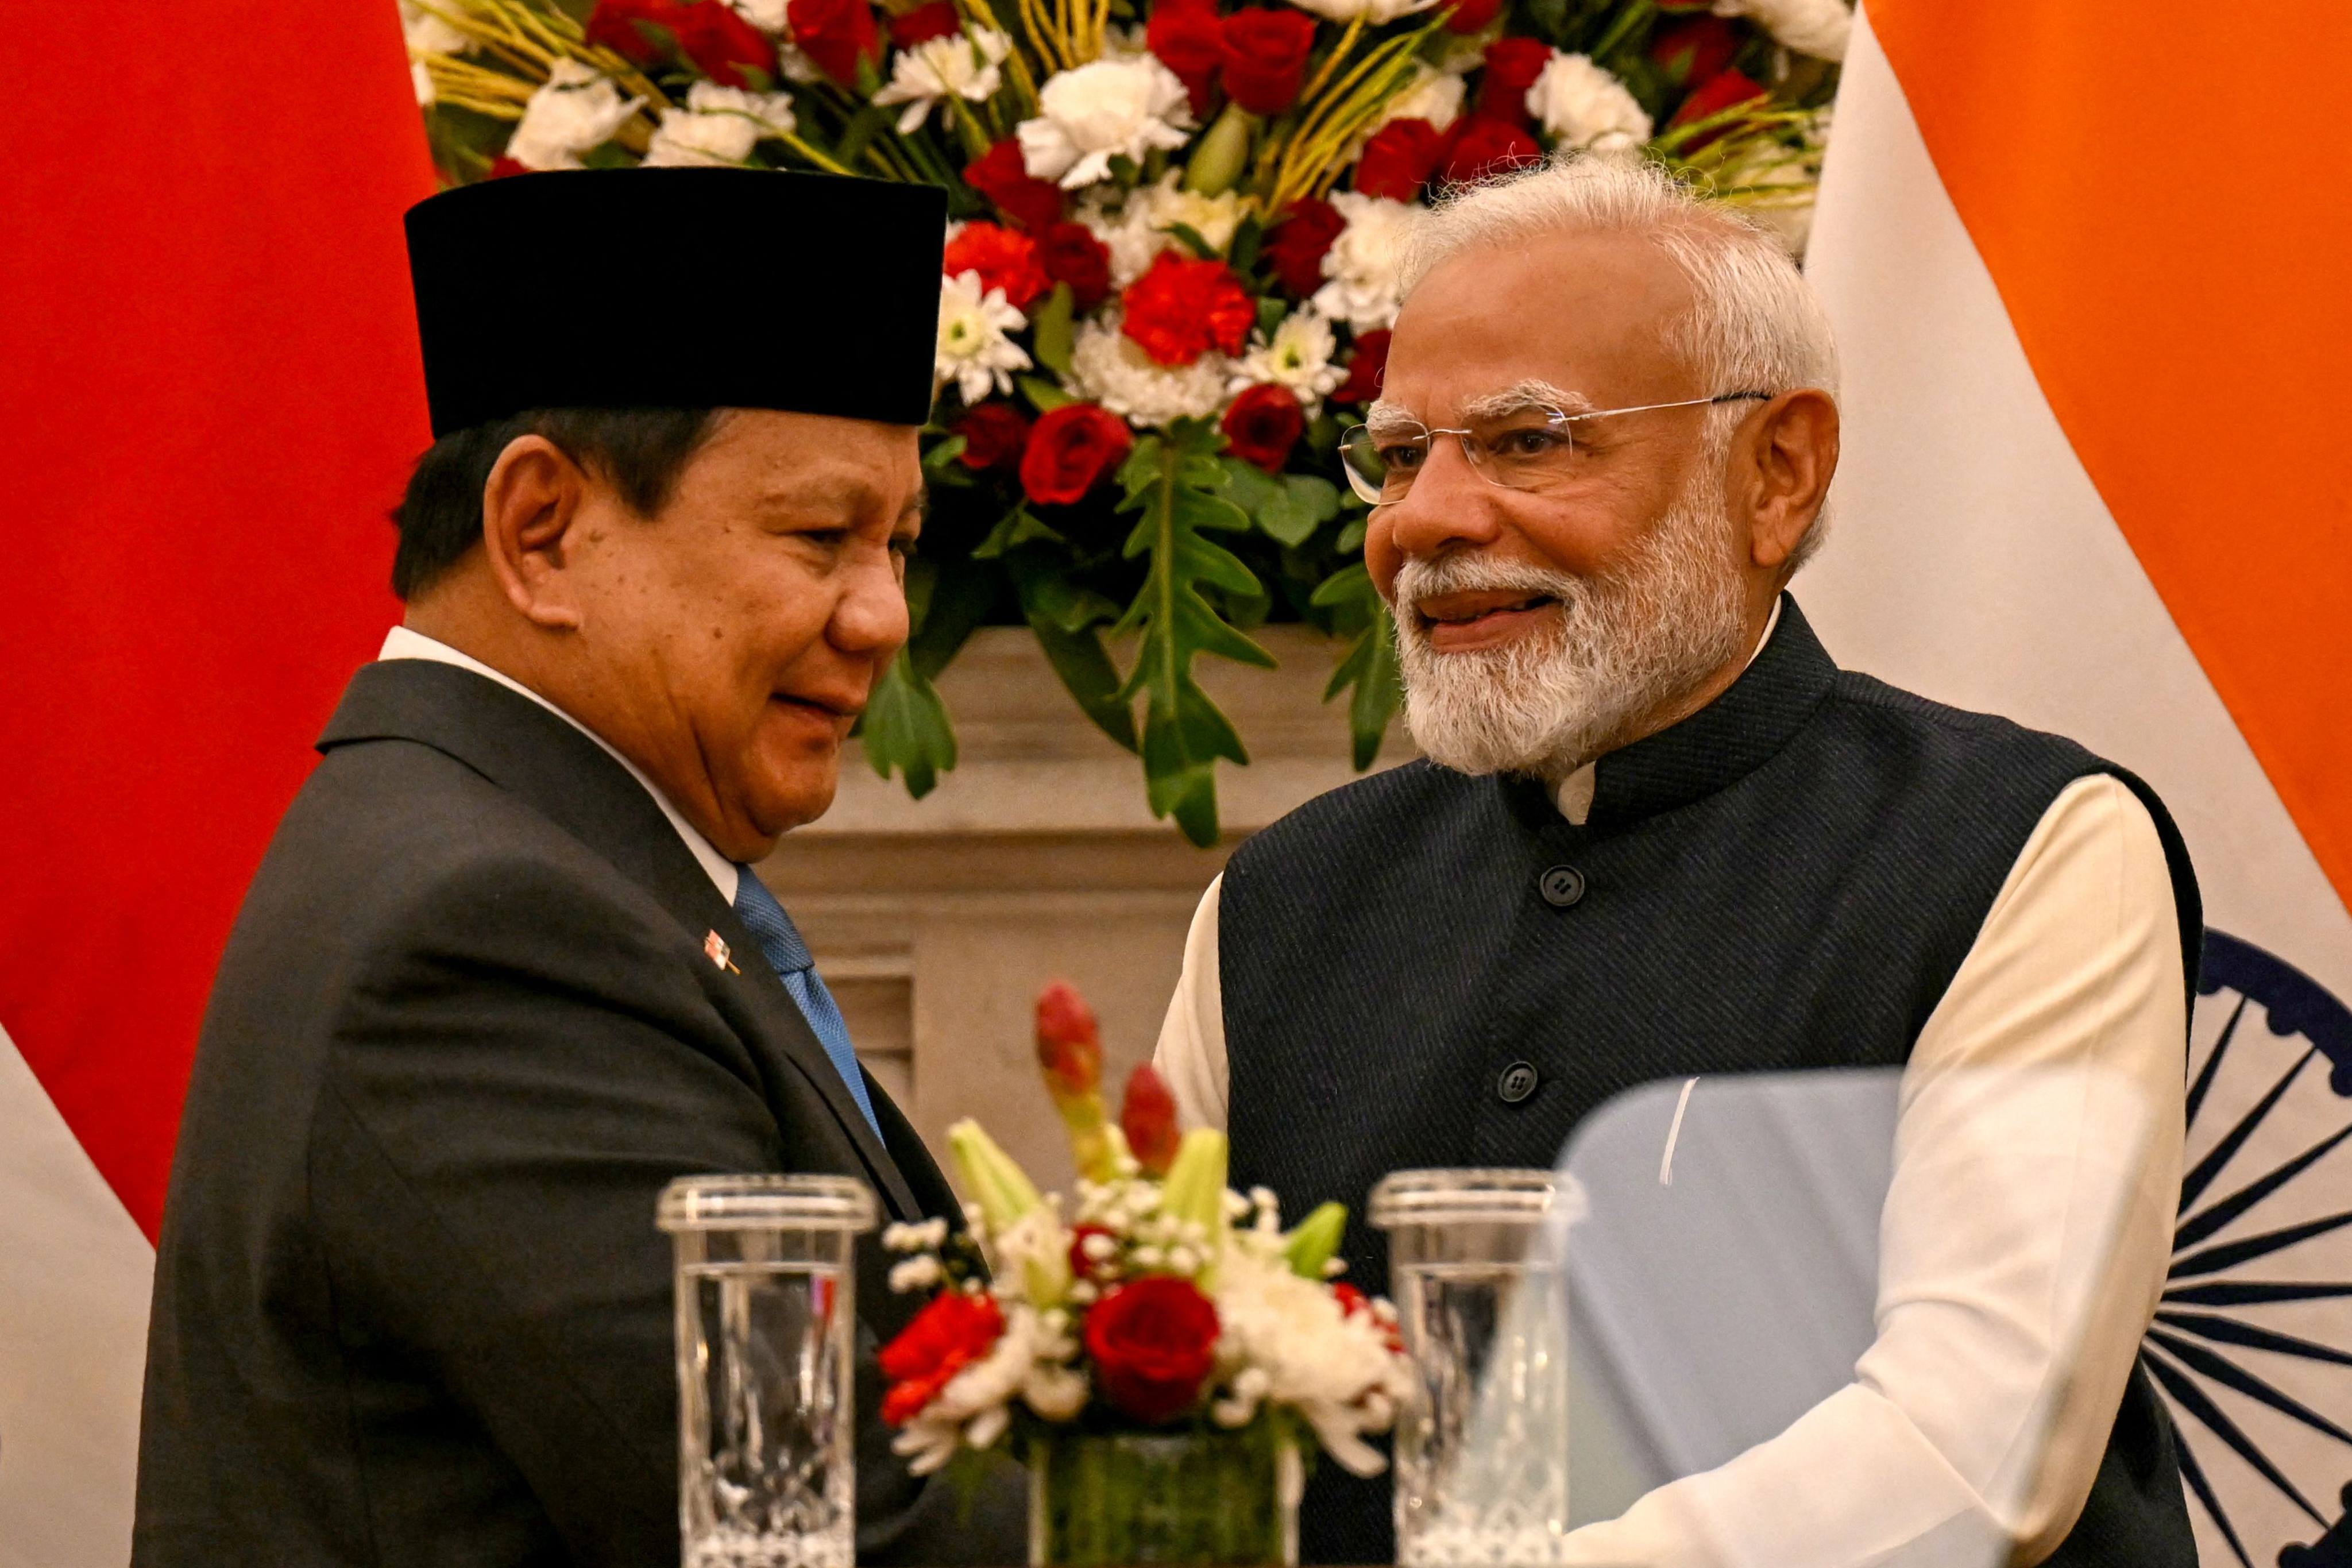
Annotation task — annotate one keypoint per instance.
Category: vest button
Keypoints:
(1517, 1082)
(1560, 886)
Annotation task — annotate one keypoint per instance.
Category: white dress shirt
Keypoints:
(2024, 1242)
(401, 642)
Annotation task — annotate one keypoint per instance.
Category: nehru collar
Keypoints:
(1723, 742)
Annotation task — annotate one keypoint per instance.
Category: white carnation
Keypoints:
(429, 35)
(1108, 367)
(1362, 262)
(1374, 12)
(1436, 96)
(1331, 1366)
(717, 125)
(1111, 108)
(1298, 356)
(925, 77)
(1815, 27)
(1142, 229)
(1583, 106)
(974, 351)
(577, 109)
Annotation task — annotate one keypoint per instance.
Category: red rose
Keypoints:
(1082, 1266)
(955, 1330)
(1000, 176)
(1695, 50)
(1470, 16)
(1483, 145)
(1180, 309)
(641, 32)
(920, 25)
(1152, 1342)
(834, 35)
(1069, 449)
(1718, 93)
(1684, 4)
(1399, 159)
(1365, 367)
(1189, 40)
(1263, 423)
(1512, 67)
(502, 166)
(1296, 244)
(1003, 259)
(1266, 57)
(722, 46)
(1071, 253)
(993, 435)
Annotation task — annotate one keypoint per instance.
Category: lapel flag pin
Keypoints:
(714, 947)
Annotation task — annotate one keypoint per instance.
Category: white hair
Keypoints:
(1754, 324)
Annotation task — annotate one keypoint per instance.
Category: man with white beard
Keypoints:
(1659, 834)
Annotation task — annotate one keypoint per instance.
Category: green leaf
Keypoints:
(1018, 526)
(1304, 504)
(1193, 240)
(957, 597)
(1054, 338)
(1180, 490)
(1270, 311)
(1371, 665)
(942, 452)
(1352, 537)
(905, 727)
(1249, 236)
(1063, 614)
(1043, 394)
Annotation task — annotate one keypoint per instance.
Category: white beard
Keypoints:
(1647, 631)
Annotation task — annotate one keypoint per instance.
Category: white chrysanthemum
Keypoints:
(1584, 106)
(1298, 356)
(1373, 12)
(577, 109)
(1362, 262)
(429, 35)
(1436, 96)
(959, 66)
(1142, 229)
(1108, 367)
(1334, 1369)
(1085, 117)
(1815, 27)
(974, 351)
(719, 125)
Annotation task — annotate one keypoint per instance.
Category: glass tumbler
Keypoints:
(766, 1343)
(1475, 1269)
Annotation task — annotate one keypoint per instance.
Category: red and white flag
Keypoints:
(209, 390)
(2094, 302)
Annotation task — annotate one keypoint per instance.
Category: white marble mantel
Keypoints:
(936, 921)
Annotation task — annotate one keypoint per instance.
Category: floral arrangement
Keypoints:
(1161, 1298)
(1171, 275)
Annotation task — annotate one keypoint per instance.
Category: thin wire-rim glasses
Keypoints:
(1367, 469)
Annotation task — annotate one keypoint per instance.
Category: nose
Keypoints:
(870, 619)
(1449, 506)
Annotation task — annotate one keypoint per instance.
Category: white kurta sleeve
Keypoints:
(2022, 1245)
(1190, 1055)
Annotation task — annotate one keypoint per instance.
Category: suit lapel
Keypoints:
(551, 764)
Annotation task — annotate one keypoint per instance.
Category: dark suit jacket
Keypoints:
(410, 1304)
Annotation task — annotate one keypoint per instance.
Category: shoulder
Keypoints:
(1414, 796)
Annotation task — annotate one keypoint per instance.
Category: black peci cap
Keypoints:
(678, 288)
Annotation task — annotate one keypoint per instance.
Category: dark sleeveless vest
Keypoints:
(1425, 969)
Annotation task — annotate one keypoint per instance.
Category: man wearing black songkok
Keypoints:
(506, 969)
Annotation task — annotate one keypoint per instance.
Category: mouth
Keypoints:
(1457, 622)
(829, 710)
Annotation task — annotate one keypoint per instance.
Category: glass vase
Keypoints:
(1122, 1499)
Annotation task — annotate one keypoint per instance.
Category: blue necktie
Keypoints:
(788, 955)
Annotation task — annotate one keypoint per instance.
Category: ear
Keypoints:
(1784, 470)
(530, 506)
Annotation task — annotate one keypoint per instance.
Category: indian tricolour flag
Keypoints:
(2091, 268)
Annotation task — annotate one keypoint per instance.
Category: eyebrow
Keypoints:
(1520, 397)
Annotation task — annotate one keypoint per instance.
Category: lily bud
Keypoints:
(1315, 1240)
(990, 1179)
(1222, 153)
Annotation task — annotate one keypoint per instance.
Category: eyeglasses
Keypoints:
(1529, 449)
